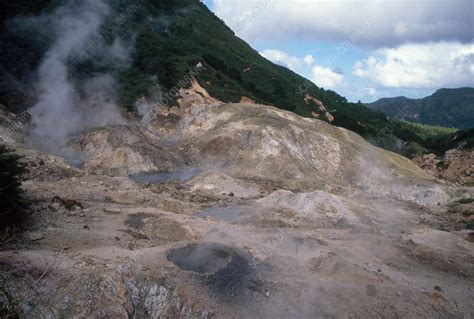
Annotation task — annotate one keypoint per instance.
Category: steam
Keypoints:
(145, 106)
(204, 258)
(65, 108)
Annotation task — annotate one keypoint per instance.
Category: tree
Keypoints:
(11, 201)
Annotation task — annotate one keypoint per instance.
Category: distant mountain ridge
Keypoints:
(445, 107)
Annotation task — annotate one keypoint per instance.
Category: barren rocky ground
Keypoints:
(457, 166)
(261, 214)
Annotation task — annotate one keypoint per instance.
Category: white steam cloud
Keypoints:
(65, 108)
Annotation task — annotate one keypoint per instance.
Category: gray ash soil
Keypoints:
(332, 226)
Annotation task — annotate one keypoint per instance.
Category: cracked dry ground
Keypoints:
(284, 217)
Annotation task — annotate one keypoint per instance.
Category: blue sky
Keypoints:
(362, 49)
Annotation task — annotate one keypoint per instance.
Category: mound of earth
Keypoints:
(217, 183)
(124, 150)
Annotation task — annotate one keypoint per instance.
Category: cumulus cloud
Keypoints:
(326, 77)
(309, 59)
(370, 91)
(292, 62)
(321, 75)
(392, 22)
(429, 65)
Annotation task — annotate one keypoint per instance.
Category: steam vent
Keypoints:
(225, 271)
(205, 258)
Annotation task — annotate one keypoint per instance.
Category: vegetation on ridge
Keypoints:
(446, 107)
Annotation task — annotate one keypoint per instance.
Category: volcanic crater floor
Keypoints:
(266, 232)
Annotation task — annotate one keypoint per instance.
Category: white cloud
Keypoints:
(309, 59)
(326, 78)
(321, 76)
(430, 65)
(370, 91)
(283, 58)
(379, 22)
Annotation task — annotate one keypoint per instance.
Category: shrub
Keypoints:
(414, 149)
(465, 200)
(11, 202)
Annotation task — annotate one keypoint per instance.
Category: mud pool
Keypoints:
(165, 177)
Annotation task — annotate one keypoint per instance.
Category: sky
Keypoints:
(362, 49)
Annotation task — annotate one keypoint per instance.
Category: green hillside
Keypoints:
(422, 138)
(446, 107)
(167, 38)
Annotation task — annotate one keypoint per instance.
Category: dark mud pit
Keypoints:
(165, 177)
(136, 220)
(205, 258)
(227, 272)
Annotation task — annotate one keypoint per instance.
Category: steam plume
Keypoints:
(65, 108)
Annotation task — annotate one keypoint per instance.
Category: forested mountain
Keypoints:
(446, 107)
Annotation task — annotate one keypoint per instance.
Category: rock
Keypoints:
(69, 204)
(124, 150)
(216, 183)
(156, 301)
(35, 236)
(456, 166)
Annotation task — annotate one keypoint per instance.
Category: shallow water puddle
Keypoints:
(164, 177)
